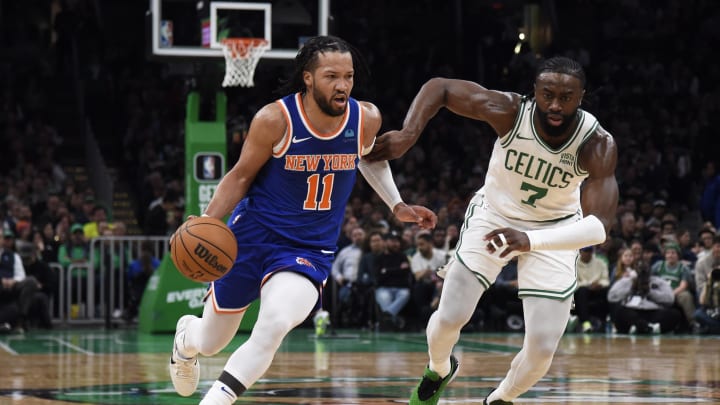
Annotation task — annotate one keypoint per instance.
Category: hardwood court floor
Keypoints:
(124, 367)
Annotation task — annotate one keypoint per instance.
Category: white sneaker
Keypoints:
(184, 372)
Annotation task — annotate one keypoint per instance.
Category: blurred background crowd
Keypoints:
(77, 85)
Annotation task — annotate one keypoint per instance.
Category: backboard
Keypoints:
(193, 28)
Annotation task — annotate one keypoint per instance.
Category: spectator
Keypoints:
(591, 294)
(394, 281)
(688, 257)
(98, 220)
(623, 267)
(344, 273)
(628, 229)
(645, 303)
(679, 277)
(439, 239)
(708, 315)
(138, 273)
(161, 218)
(47, 280)
(651, 253)
(704, 266)
(705, 243)
(425, 263)
(84, 214)
(76, 251)
(47, 243)
(346, 263)
(16, 286)
(366, 274)
(345, 237)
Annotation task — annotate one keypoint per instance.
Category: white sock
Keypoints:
(219, 394)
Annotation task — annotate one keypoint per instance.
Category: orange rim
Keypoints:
(241, 46)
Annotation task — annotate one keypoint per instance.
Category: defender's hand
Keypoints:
(507, 240)
(422, 216)
(390, 145)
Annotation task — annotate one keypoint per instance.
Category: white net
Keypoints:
(241, 58)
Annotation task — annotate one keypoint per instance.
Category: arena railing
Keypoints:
(95, 291)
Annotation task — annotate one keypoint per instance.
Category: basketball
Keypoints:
(203, 249)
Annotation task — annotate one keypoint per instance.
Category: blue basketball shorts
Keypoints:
(260, 255)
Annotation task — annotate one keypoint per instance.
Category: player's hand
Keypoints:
(422, 216)
(507, 240)
(390, 145)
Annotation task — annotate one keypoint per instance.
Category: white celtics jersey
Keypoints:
(531, 181)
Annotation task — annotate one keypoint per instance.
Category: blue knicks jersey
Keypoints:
(301, 192)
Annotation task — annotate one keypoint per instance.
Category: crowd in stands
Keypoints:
(650, 87)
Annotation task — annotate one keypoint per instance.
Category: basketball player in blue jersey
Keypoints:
(532, 206)
(287, 193)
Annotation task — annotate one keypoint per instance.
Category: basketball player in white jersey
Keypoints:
(550, 190)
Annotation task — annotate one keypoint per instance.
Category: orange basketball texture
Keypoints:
(203, 249)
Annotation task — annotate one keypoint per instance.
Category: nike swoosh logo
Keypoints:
(222, 388)
(296, 140)
(327, 252)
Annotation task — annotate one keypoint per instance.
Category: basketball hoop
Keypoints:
(241, 58)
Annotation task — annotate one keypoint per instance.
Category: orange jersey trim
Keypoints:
(211, 294)
(280, 149)
(315, 132)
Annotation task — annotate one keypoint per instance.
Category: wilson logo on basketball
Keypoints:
(203, 253)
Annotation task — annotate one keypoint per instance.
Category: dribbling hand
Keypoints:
(507, 240)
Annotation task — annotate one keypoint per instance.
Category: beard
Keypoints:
(326, 106)
(552, 130)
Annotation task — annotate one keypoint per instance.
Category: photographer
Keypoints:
(708, 315)
(645, 303)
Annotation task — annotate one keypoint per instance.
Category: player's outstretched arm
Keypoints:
(380, 178)
(464, 98)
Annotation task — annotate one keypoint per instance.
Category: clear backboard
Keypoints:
(194, 28)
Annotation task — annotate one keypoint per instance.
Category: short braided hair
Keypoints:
(307, 58)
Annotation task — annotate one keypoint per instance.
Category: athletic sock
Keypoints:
(224, 391)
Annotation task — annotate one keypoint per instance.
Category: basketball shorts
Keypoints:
(548, 273)
(261, 254)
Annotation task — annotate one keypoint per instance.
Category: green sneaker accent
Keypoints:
(428, 391)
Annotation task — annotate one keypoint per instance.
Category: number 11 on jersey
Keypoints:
(311, 201)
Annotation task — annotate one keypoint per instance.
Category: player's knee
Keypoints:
(541, 347)
(273, 330)
(450, 320)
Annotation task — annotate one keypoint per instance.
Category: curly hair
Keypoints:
(562, 64)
